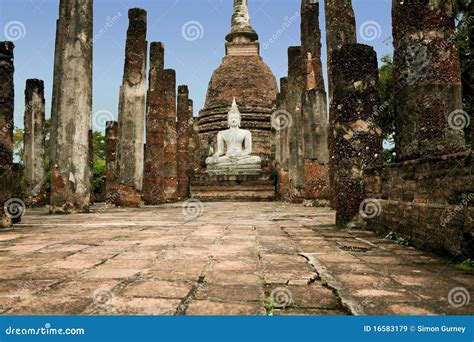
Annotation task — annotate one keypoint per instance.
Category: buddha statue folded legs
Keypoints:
(234, 147)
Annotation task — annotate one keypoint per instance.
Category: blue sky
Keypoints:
(31, 23)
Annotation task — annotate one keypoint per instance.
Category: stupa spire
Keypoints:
(240, 26)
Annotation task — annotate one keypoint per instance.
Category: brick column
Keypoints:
(314, 105)
(296, 81)
(169, 174)
(33, 140)
(7, 94)
(427, 80)
(110, 160)
(184, 132)
(152, 193)
(72, 112)
(357, 140)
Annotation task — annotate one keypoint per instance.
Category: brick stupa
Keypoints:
(242, 75)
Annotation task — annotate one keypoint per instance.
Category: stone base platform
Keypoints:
(237, 186)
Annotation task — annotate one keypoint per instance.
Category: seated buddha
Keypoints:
(234, 146)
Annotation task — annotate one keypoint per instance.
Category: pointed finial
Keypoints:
(241, 22)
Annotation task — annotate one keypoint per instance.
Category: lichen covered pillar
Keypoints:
(296, 81)
(152, 193)
(340, 29)
(33, 141)
(183, 156)
(427, 80)
(130, 150)
(111, 141)
(70, 170)
(7, 95)
(357, 140)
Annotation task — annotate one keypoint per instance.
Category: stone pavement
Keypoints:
(217, 259)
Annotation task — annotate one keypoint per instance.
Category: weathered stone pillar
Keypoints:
(282, 142)
(183, 130)
(7, 94)
(357, 140)
(314, 106)
(427, 80)
(131, 123)
(33, 141)
(195, 141)
(471, 68)
(152, 193)
(110, 160)
(340, 29)
(296, 85)
(169, 174)
(70, 174)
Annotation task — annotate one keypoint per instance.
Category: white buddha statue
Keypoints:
(234, 146)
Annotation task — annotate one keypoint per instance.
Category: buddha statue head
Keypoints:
(233, 117)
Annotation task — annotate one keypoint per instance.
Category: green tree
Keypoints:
(100, 171)
(386, 111)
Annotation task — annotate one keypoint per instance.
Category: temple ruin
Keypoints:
(299, 146)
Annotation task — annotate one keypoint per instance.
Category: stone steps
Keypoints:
(233, 193)
(211, 188)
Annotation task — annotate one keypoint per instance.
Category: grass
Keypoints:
(467, 265)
